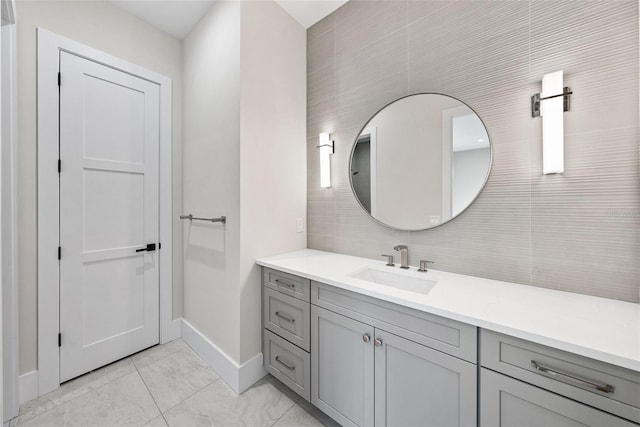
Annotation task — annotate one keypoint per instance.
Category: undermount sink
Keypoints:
(395, 280)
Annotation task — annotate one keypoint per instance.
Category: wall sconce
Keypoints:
(556, 101)
(326, 150)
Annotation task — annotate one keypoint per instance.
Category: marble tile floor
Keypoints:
(167, 385)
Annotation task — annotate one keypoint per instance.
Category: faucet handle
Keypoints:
(423, 265)
(389, 260)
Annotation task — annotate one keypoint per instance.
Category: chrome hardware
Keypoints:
(378, 342)
(404, 256)
(286, 285)
(366, 338)
(287, 318)
(286, 365)
(423, 265)
(537, 99)
(605, 388)
(190, 217)
(389, 260)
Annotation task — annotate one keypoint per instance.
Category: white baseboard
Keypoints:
(27, 386)
(238, 377)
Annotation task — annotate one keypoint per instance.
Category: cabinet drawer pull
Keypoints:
(605, 388)
(378, 342)
(285, 285)
(287, 318)
(286, 365)
(366, 338)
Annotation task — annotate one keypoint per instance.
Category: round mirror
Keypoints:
(420, 161)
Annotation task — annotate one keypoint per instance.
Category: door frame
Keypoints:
(9, 265)
(48, 62)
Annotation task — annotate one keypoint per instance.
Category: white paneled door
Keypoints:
(109, 277)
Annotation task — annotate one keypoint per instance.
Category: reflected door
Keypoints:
(109, 150)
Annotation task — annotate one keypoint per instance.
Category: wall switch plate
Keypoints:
(299, 225)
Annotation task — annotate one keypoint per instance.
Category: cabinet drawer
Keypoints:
(505, 402)
(288, 317)
(288, 363)
(449, 336)
(289, 284)
(607, 387)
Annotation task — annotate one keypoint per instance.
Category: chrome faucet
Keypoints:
(404, 256)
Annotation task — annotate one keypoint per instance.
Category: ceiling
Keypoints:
(178, 17)
(308, 12)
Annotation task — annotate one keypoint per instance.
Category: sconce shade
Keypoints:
(326, 150)
(552, 111)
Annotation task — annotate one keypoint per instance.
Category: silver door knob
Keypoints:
(366, 338)
(378, 342)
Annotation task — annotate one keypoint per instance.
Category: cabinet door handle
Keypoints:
(285, 285)
(287, 318)
(366, 338)
(286, 365)
(149, 248)
(605, 388)
(378, 342)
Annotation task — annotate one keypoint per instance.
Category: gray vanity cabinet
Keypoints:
(286, 314)
(356, 368)
(601, 389)
(506, 402)
(342, 367)
(418, 386)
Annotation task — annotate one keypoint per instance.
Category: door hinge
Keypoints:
(59, 165)
(59, 78)
(59, 340)
(59, 252)
(159, 245)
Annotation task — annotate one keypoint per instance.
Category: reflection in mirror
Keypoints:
(420, 161)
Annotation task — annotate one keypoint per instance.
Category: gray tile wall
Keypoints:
(579, 231)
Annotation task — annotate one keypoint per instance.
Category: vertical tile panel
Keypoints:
(478, 51)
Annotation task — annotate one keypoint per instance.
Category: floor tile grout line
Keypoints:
(89, 390)
(284, 413)
(150, 394)
(190, 396)
(162, 358)
(187, 346)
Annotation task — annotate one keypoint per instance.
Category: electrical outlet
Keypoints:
(299, 225)
(434, 219)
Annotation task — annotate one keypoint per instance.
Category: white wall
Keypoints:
(102, 26)
(211, 164)
(273, 185)
(244, 157)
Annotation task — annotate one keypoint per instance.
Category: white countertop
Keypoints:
(602, 329)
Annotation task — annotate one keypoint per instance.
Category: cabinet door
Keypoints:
(419, 386)
(342, 367)
(506, 402)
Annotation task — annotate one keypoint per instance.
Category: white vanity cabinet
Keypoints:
(364, 375)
